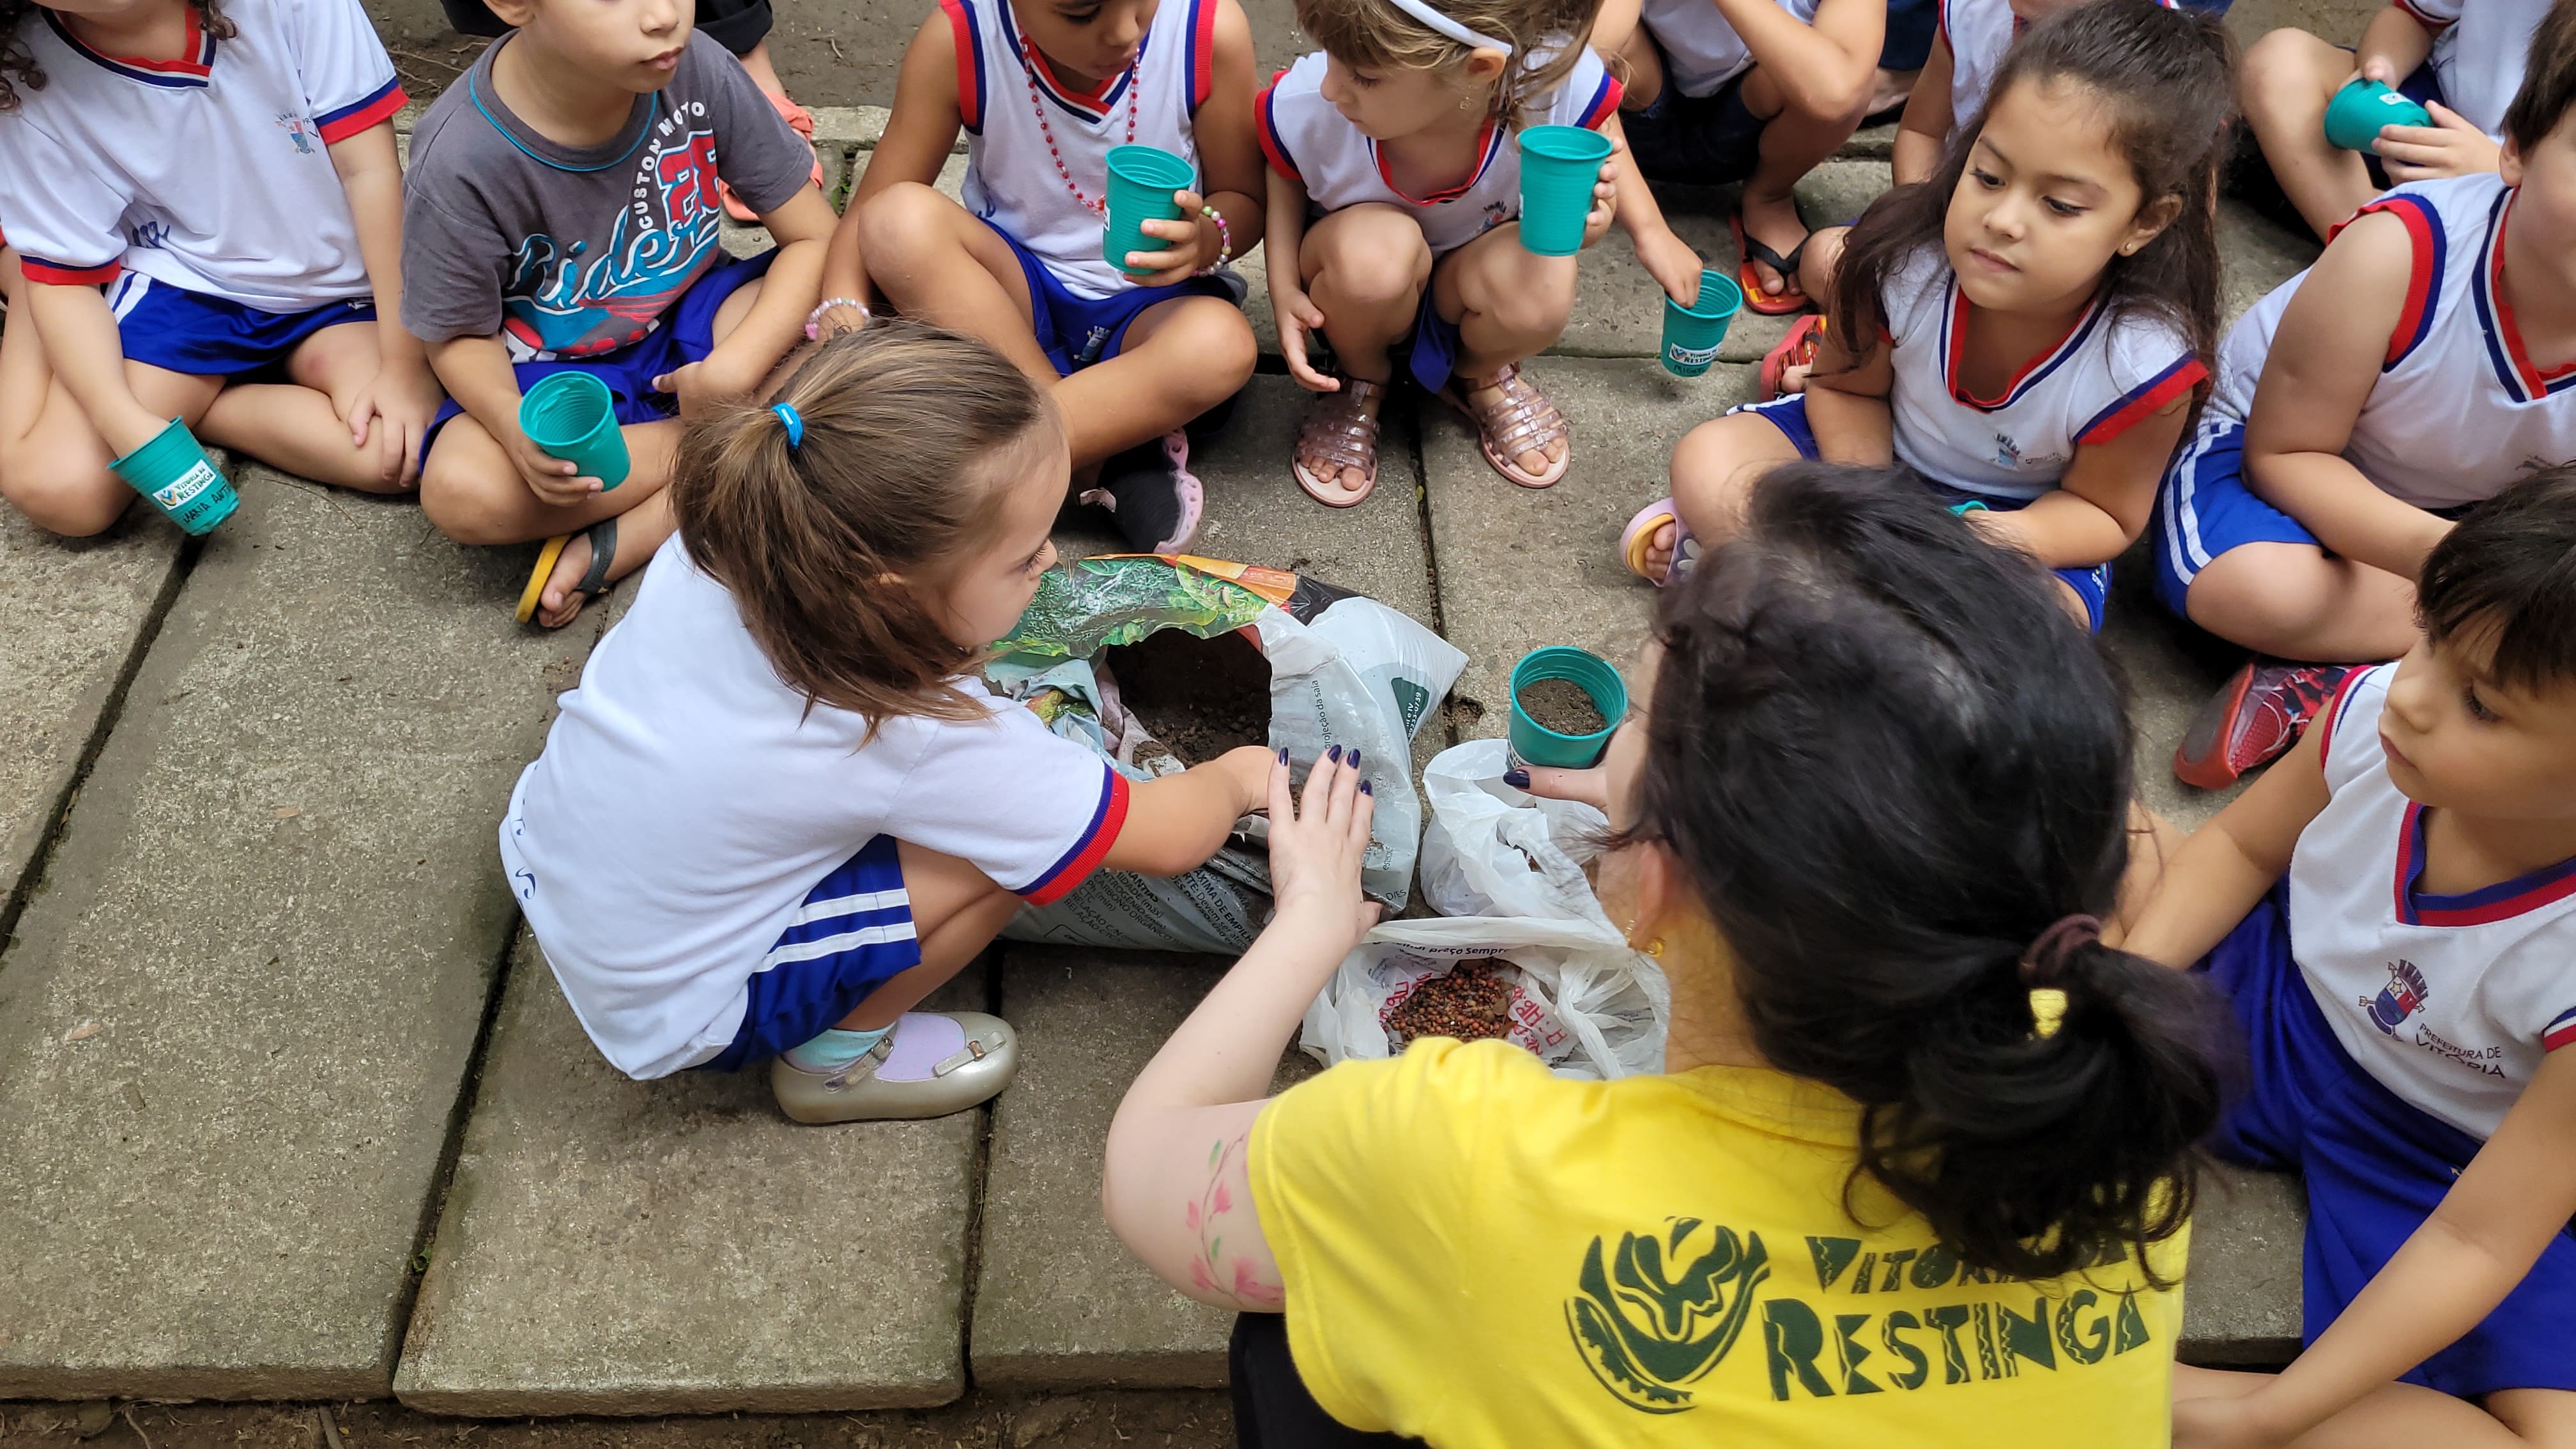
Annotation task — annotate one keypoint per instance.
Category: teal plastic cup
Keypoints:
(1559, 164)
(1692, 334)
(1141, 182)
(1534, 743)
(174, 472)
(2356, 113)
(570, 415)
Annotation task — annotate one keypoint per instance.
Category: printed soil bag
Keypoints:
(1193, 634)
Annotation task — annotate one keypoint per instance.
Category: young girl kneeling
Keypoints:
(1045, 90)
(2036, 315)
(779, 811)
(1394, 189)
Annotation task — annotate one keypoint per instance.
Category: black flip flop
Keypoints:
(594, 579)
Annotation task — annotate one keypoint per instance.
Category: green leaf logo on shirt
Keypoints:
(1644, 1330)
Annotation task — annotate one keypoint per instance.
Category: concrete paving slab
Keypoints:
(75, 612)
(2171, 668)
(1059, 1302)
(2241, 1292)
(697, 1251)
(2256, 254)
(234, 1022)
(1519, 568)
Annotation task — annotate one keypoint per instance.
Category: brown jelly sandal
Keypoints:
(1340, 432)
(1521, 420)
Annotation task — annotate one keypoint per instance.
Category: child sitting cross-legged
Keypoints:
(780, 810)
(2427, 360)
(1394, 234)
(1045, 90)
(562, 214)
(225, 170)
(2026, 329)
(2393, 909)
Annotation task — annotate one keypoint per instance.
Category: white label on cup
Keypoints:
(191, 483)
(1690, 356)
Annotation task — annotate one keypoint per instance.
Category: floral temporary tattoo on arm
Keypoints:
(1222, 1213)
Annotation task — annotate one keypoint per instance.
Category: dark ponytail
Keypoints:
(1892, 771)
(2166, 79)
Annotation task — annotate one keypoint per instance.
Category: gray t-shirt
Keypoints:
(572, 252)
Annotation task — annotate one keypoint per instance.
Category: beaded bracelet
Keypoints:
(814, 319)
(1224, 242)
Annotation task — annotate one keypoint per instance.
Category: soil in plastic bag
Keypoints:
(1198, 697)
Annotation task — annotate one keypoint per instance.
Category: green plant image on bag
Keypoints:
(1096, 603)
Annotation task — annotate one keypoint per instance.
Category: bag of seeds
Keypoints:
(1160, 663)
(1569, 992)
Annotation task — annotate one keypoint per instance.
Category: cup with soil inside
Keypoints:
(1566, 703)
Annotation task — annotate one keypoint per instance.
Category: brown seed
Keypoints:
(1469, 1002)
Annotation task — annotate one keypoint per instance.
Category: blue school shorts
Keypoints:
(687, 335)
(1076, 332)
(208, 336)
(2375, 1168)
(1708, 140)
(1789, 415)
(2204, 509)
(853, 935)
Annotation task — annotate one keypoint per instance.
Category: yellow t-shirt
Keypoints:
(1479, 1253)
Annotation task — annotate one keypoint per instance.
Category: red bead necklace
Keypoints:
(1029, 72)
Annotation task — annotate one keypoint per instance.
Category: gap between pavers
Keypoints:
(235, 1020)
(679, 1246)
(75, 611)
(1060, 1303)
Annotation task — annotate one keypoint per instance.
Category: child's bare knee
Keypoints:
(2278, 69)
(461, 494)
(1375, 264)
(66, 498)
(903, 221)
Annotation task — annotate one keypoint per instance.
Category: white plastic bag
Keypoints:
(1511, 866)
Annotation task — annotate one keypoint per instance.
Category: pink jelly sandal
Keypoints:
(799, 120)
(1639, 536)
(1521, 421)
(1341, 432)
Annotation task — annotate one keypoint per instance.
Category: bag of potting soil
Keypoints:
(1158, 663)
(1528, 955)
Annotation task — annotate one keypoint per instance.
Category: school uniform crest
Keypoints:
(2401, 998)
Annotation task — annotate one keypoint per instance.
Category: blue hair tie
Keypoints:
(795, 424)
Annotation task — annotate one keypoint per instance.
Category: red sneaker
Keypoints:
(2253, 719)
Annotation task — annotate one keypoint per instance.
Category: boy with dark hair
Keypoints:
(562, 213)
(2405, 1037)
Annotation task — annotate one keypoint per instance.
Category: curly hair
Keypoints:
(18, 68)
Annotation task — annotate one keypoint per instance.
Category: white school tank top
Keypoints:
(2459, 409)
(2107, 375)
(1005, 87)
(1308, 141)
(1701, 51)
(1978, 33)
(2449, 1001)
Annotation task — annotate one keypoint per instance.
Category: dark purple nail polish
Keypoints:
(1516, 777)
(1283, 757)
(1334, 755)
(1355, 759)
(1364, 788)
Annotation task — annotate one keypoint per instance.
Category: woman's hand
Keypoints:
(1316, 848)
(1583, 787)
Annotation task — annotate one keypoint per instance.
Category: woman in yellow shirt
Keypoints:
(1874, 805)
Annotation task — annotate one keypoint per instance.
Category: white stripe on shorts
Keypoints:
(128, 294)
(857, 905)
(835, 945)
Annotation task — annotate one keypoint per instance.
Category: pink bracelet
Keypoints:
(1224, 242)
(814, 319)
